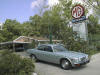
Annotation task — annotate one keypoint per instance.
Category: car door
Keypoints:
(40, 52)
(49, 55)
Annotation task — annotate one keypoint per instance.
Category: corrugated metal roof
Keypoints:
(11, 42)
(22, 40)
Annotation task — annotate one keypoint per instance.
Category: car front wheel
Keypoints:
(65, 64)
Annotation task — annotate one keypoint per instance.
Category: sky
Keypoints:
(15, 9)
(20, 10)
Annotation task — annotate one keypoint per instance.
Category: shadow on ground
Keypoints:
(58, 66)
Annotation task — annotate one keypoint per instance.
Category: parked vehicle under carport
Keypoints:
(15, 46)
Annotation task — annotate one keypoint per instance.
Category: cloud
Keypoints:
(34, 4)
(52, 2)
(37, 3)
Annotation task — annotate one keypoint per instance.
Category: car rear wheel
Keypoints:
(65, 64)
(33, 57)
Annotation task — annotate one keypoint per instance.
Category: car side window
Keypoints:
(48, 49)
(41, 48)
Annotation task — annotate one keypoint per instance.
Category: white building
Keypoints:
(1, 26)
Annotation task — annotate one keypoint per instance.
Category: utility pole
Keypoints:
(50, 26)
(50, 33)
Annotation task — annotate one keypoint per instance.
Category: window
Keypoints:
(41, 48)
(59, 48)
(48, 49)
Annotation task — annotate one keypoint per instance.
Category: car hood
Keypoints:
(71, 54)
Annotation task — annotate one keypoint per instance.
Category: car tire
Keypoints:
(65, 64)
(33, 57)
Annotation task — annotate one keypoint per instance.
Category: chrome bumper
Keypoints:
(81, 63)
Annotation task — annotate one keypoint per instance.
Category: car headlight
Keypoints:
(75, 60)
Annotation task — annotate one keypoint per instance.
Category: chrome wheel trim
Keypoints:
(33, 57)
(65, 64)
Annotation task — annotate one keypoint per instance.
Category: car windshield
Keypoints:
(59, 48)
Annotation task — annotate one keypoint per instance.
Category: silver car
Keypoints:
(57, 54)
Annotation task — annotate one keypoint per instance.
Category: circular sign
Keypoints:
(77, 11)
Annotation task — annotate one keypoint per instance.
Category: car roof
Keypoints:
(50, 44)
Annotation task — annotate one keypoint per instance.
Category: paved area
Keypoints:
(93, 68)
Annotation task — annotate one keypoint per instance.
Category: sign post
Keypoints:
(78, 14)
(79, 25)
(77, 11)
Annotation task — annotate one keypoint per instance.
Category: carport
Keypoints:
(25, 42)
(14, 45)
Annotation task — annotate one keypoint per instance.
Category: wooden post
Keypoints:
(0, 46)
(24, 47)
(14, 47)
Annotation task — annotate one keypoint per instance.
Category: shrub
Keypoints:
(12, 64)
(98, 47)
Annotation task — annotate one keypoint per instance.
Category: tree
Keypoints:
(1, 37)
(56, 19)
(52, 22)
(27, 29)
(95, 4)
(12, 29)
(35, 22)
(93, 26)
(65, 6)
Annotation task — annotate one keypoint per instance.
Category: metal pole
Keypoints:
(50, 28)
(50, 34)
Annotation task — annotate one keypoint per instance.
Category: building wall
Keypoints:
(1, 26)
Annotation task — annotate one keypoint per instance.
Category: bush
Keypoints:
(98, 47)
(76, 45)
(12, 64)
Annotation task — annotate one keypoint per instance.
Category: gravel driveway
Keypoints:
(93, 68)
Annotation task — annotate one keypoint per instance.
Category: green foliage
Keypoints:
(1, 37)
(35, 22)
(65, 6)
(98, 47)
(12, 64)
(94, 32)
(32, 45)
(26, 29)
(93, 26)
(11, 30)
(73, 42)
